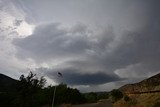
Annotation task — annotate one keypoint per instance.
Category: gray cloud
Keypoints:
(18, 22)
(51, 41)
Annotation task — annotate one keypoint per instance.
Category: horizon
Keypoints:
(98, 45)
(45, 86)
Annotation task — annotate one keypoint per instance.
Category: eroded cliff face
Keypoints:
(147, 85)
(143, 94)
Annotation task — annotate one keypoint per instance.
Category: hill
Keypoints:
(148, 85)
(7, 84)
(142, 94)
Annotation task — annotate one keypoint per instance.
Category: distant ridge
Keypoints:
(151, 84)
(7, 84)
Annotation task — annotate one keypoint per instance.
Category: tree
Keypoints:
(68, 95)
(63, 95)
(104, 95)
(28, 88)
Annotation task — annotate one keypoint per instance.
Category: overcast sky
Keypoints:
(97, 45)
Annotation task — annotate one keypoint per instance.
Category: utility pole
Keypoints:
(59, 75)
(54, 96)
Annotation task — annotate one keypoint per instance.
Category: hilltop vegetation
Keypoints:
(30, 92)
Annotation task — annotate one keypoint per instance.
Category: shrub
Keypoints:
(116, 95)
(132, 102)
(126, 98)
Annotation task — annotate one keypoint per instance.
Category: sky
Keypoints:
(97, 45)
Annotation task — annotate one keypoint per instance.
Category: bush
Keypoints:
(103, 96)
(132, 102)
(27, 90)
(91, 97)
(126, 98)
(116, 95)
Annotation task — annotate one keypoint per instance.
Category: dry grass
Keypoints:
(142, 100)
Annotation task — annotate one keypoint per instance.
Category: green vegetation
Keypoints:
(116, 95)
(27, 90)
(104, 95)
(30, 92)
(91, 97)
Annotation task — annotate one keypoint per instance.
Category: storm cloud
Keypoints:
(73, 77)
(90, 42)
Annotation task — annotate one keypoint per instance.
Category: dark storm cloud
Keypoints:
(73, 76)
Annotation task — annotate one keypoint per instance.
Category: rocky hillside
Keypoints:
(142, 94)
(147, 85)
